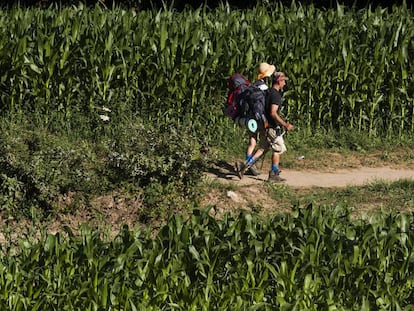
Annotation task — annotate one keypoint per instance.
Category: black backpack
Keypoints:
(252, 104)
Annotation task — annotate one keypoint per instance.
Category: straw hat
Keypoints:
(265, 70)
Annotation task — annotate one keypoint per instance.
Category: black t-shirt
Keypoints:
(273, 98)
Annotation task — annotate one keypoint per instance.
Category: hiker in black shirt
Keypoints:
(276, 123)
(273, 138)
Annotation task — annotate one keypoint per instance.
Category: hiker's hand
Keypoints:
(289, 127)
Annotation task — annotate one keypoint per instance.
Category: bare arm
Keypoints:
(275, 115)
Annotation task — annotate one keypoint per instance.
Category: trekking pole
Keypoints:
(263, 156)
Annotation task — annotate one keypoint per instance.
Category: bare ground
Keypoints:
(303, 174)
(332, 170)
(314, 178)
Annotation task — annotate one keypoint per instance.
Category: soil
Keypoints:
(230, 194)
(314, 178)
(302, 176)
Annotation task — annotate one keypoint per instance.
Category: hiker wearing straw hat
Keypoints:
(265, 71)
(273, 137)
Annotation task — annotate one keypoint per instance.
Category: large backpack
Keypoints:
(246, 102)
(252, 103)
(237, 84)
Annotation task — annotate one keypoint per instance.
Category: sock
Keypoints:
(275, 168)
(249, 158)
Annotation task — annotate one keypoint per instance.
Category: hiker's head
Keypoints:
(279, 78)
(265, 70)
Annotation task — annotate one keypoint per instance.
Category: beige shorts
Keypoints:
(270, 139)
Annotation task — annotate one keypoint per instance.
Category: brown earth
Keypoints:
(328, 169)
(314, 178)
(304, 174)
(230, 193)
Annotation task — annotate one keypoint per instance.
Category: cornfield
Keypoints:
(309, 259)
(70, 68)
(349, 69)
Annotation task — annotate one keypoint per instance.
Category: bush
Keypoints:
(36, 167)
(167, 162)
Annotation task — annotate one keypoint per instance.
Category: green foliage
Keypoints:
(314, 258)
(146, 154)
(117, 97)
(36, 167)
(62, 64)
(387, 196)
(346, 140)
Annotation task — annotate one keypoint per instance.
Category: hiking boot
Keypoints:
(275, 176)
(241, 169)
(254, 170)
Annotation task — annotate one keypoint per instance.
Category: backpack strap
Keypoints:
(261, 85)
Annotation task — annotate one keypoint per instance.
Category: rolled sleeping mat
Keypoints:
(252, 125)
(246, 123)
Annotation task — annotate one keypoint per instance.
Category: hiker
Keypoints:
(273, 134)
(265, 71)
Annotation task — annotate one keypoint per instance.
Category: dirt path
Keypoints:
(310, 178)
(252, 192)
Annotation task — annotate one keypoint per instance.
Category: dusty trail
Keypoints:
(310, 178)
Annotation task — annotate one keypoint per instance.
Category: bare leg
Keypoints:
(275, 158)
(252, 144)
(258, 153)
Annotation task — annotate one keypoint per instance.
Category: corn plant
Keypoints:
(312, 258)
(349, 68)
